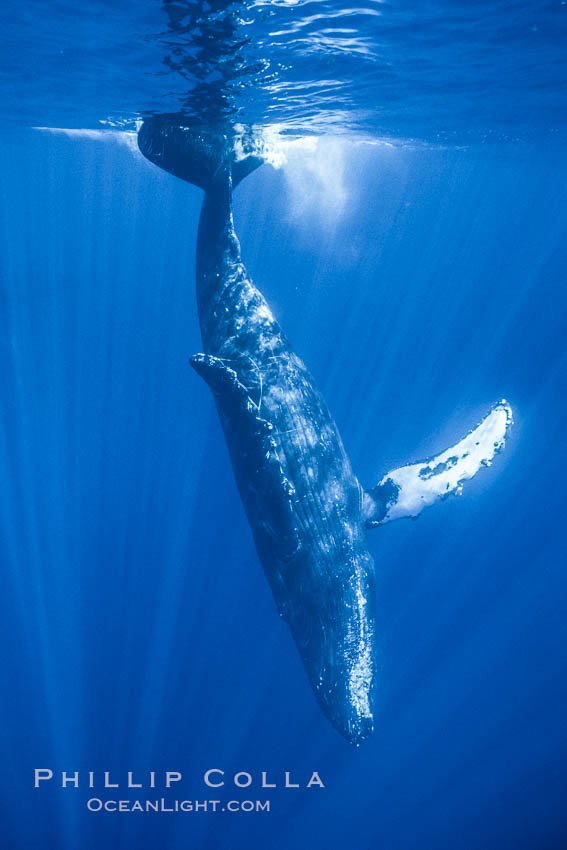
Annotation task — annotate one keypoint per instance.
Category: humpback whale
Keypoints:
(308, 513)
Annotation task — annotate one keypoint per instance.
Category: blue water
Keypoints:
(421, 281)
(446, 70)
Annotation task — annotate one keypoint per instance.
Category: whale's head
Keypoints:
(335, 634)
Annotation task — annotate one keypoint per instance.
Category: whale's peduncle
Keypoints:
(218, 247)
(208, 160)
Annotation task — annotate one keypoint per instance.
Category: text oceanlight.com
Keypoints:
(95, 804)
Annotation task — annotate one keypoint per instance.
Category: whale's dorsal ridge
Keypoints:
(223, 378)
(218, 373)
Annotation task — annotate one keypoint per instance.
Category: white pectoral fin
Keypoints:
(406, 491)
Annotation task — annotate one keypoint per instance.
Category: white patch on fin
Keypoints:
(421, 484)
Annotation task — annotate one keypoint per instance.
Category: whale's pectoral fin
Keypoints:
(404, 492)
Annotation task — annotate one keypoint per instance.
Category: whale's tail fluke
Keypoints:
(201, 158)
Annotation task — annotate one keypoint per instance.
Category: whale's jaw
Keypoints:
(333, 625)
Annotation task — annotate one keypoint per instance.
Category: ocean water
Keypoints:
(412, 243)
